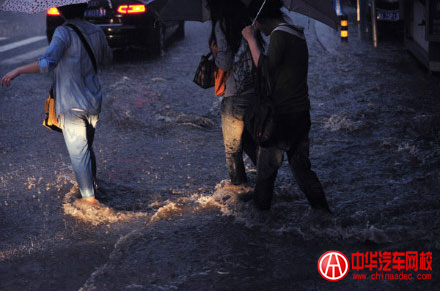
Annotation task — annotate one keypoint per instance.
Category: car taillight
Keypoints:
(53, 11)
(132, 9)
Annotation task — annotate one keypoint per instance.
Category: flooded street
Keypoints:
(171, 220)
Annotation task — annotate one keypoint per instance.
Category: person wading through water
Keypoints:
(285, 66)
(77, 89)
(232, 54)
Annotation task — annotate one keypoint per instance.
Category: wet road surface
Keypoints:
(171, 222)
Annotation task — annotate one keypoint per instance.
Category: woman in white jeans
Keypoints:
(77, 89)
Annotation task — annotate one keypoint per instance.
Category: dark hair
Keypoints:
(233, 17)
(73, 10)
(271, 10)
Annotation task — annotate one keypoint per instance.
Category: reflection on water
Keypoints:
(375, 145)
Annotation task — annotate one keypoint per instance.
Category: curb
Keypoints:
(328, 38)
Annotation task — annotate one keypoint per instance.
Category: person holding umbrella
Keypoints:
(77, 87)
(232, 55)
(286, 67)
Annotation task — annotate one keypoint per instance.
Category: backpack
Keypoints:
(260, 115)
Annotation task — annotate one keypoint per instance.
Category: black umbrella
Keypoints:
(196, 10)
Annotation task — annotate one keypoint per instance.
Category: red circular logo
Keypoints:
(333, 266)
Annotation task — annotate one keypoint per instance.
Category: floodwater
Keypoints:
(171, 221)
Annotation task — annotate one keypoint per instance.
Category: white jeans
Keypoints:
(79, 131)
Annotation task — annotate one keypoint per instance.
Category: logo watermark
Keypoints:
(334, 265)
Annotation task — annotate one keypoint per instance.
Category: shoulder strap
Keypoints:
(290, 29)
(86, 45)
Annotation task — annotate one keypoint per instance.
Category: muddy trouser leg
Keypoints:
(78, 129)
(307, 179)
(269, 161)
(232, 127)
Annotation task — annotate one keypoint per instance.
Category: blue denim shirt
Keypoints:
(77, 84)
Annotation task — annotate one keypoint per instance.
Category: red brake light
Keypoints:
(122, 9)
(132, 9)
(53, 11)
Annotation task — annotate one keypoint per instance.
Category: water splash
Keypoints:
(95, 215)
(341, 122)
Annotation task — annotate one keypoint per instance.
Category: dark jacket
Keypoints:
(292, 124)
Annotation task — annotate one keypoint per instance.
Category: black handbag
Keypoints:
(260, 115)
(204, 76)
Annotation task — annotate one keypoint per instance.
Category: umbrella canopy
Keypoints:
(195, 10)
(36, 6)
(321, 10)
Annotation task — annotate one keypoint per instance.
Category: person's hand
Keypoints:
(249, 32)
(6, 80)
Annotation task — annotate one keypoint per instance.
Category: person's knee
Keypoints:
(268, 166)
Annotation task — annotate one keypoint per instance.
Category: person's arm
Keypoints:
(31, 68)
(249, 34)
(224, 57)
(275, 51)
(45, 63)
(50, 59)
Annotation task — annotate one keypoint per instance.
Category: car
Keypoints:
(126, 23)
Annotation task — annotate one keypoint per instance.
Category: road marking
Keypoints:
(3, 38)
(25, 57)
(17, 44)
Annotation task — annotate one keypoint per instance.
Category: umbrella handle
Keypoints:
(259, 12)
